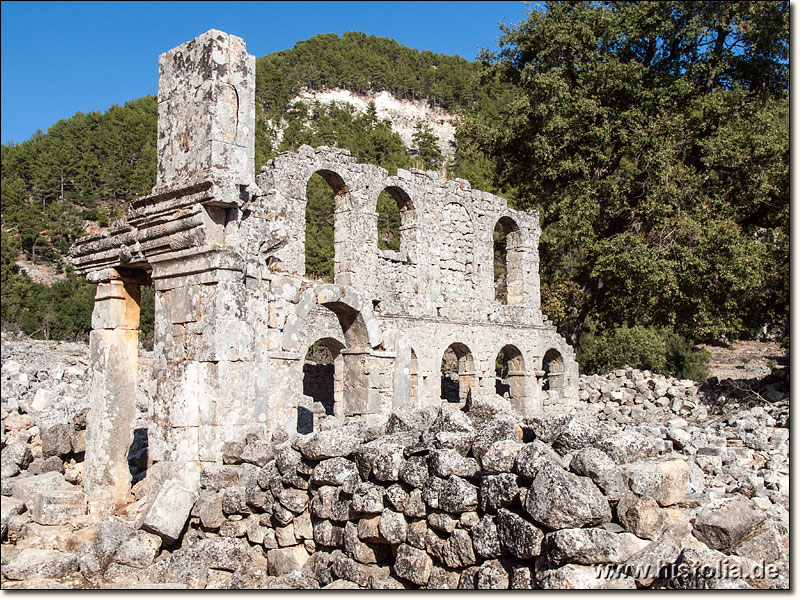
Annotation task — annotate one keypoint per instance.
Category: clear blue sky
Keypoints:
(59, 58)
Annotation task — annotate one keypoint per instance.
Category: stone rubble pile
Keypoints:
(444, 497)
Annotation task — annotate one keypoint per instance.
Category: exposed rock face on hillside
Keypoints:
(643, 486)
(403, 114)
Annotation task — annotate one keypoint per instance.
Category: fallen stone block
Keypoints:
(35, 562)
(57, 507)
(666, 481)
(169, 511)
(724, 524)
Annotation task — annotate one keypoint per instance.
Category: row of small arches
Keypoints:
(396, 222)
(323, 377)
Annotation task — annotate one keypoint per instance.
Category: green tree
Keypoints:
(653, 139)
(427, 145)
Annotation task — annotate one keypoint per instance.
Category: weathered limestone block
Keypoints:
(57, 507)
(206, 107)
(169, 511)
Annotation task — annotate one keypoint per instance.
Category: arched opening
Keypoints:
(510, 375)
(323, 382)
(323, 190)
(395, 219)
(507, 262)
(458, 373)
(553, 367)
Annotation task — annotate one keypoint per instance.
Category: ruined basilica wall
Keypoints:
(234, 313)
(444, 268)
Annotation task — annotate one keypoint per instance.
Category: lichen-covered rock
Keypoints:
(498, 491)
(457, 551)
(281, 561)
(499, 427)
(666, 481)
(485, 538)
(724, 524)
(341, 441)
(558, 499)
(604, 472)
(334, 471)
(458, 495)
(368, 499)
(500, 456)
(531, 456)
(414, 471)
(628, 445)
(517, 535)
(592, 546)
(392, 527)
(138, 551)
(56, 440)
(445, 462)
(579, 432)
(35, 562)
(581, 577)
(652, 562)
(491, 576)
(413, 564)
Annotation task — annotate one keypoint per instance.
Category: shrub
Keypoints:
(651, 348)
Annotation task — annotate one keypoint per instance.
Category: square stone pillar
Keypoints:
(113, 347)
(206, 112)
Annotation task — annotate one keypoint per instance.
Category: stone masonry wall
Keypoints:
(235, 313)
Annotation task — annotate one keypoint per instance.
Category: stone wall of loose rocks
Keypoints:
(443, 497)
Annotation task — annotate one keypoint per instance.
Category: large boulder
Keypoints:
(582, 577)
(580, 432)
(499, 427)
(498, 491)
(666, 481)
(643, 517)
(331, 443)
(604, 472)
(458, 495)
(723, 524)
(593, 546)
(558, 499)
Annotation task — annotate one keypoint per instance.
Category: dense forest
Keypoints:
(653, 138)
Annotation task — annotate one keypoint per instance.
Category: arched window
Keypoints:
(553, 367)
(395, 220)
(323, 382)
(510, 376)
(323, 190)
(507, 262)
(458, 373)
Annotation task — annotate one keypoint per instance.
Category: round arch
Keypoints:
(510, 375)
(457, 373)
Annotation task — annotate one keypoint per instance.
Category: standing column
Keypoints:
(113, 343)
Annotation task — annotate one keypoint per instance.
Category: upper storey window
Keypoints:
(507, 262)
(324, 191)
(396, 223)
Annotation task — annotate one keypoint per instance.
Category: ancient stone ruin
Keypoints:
(235, 314)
